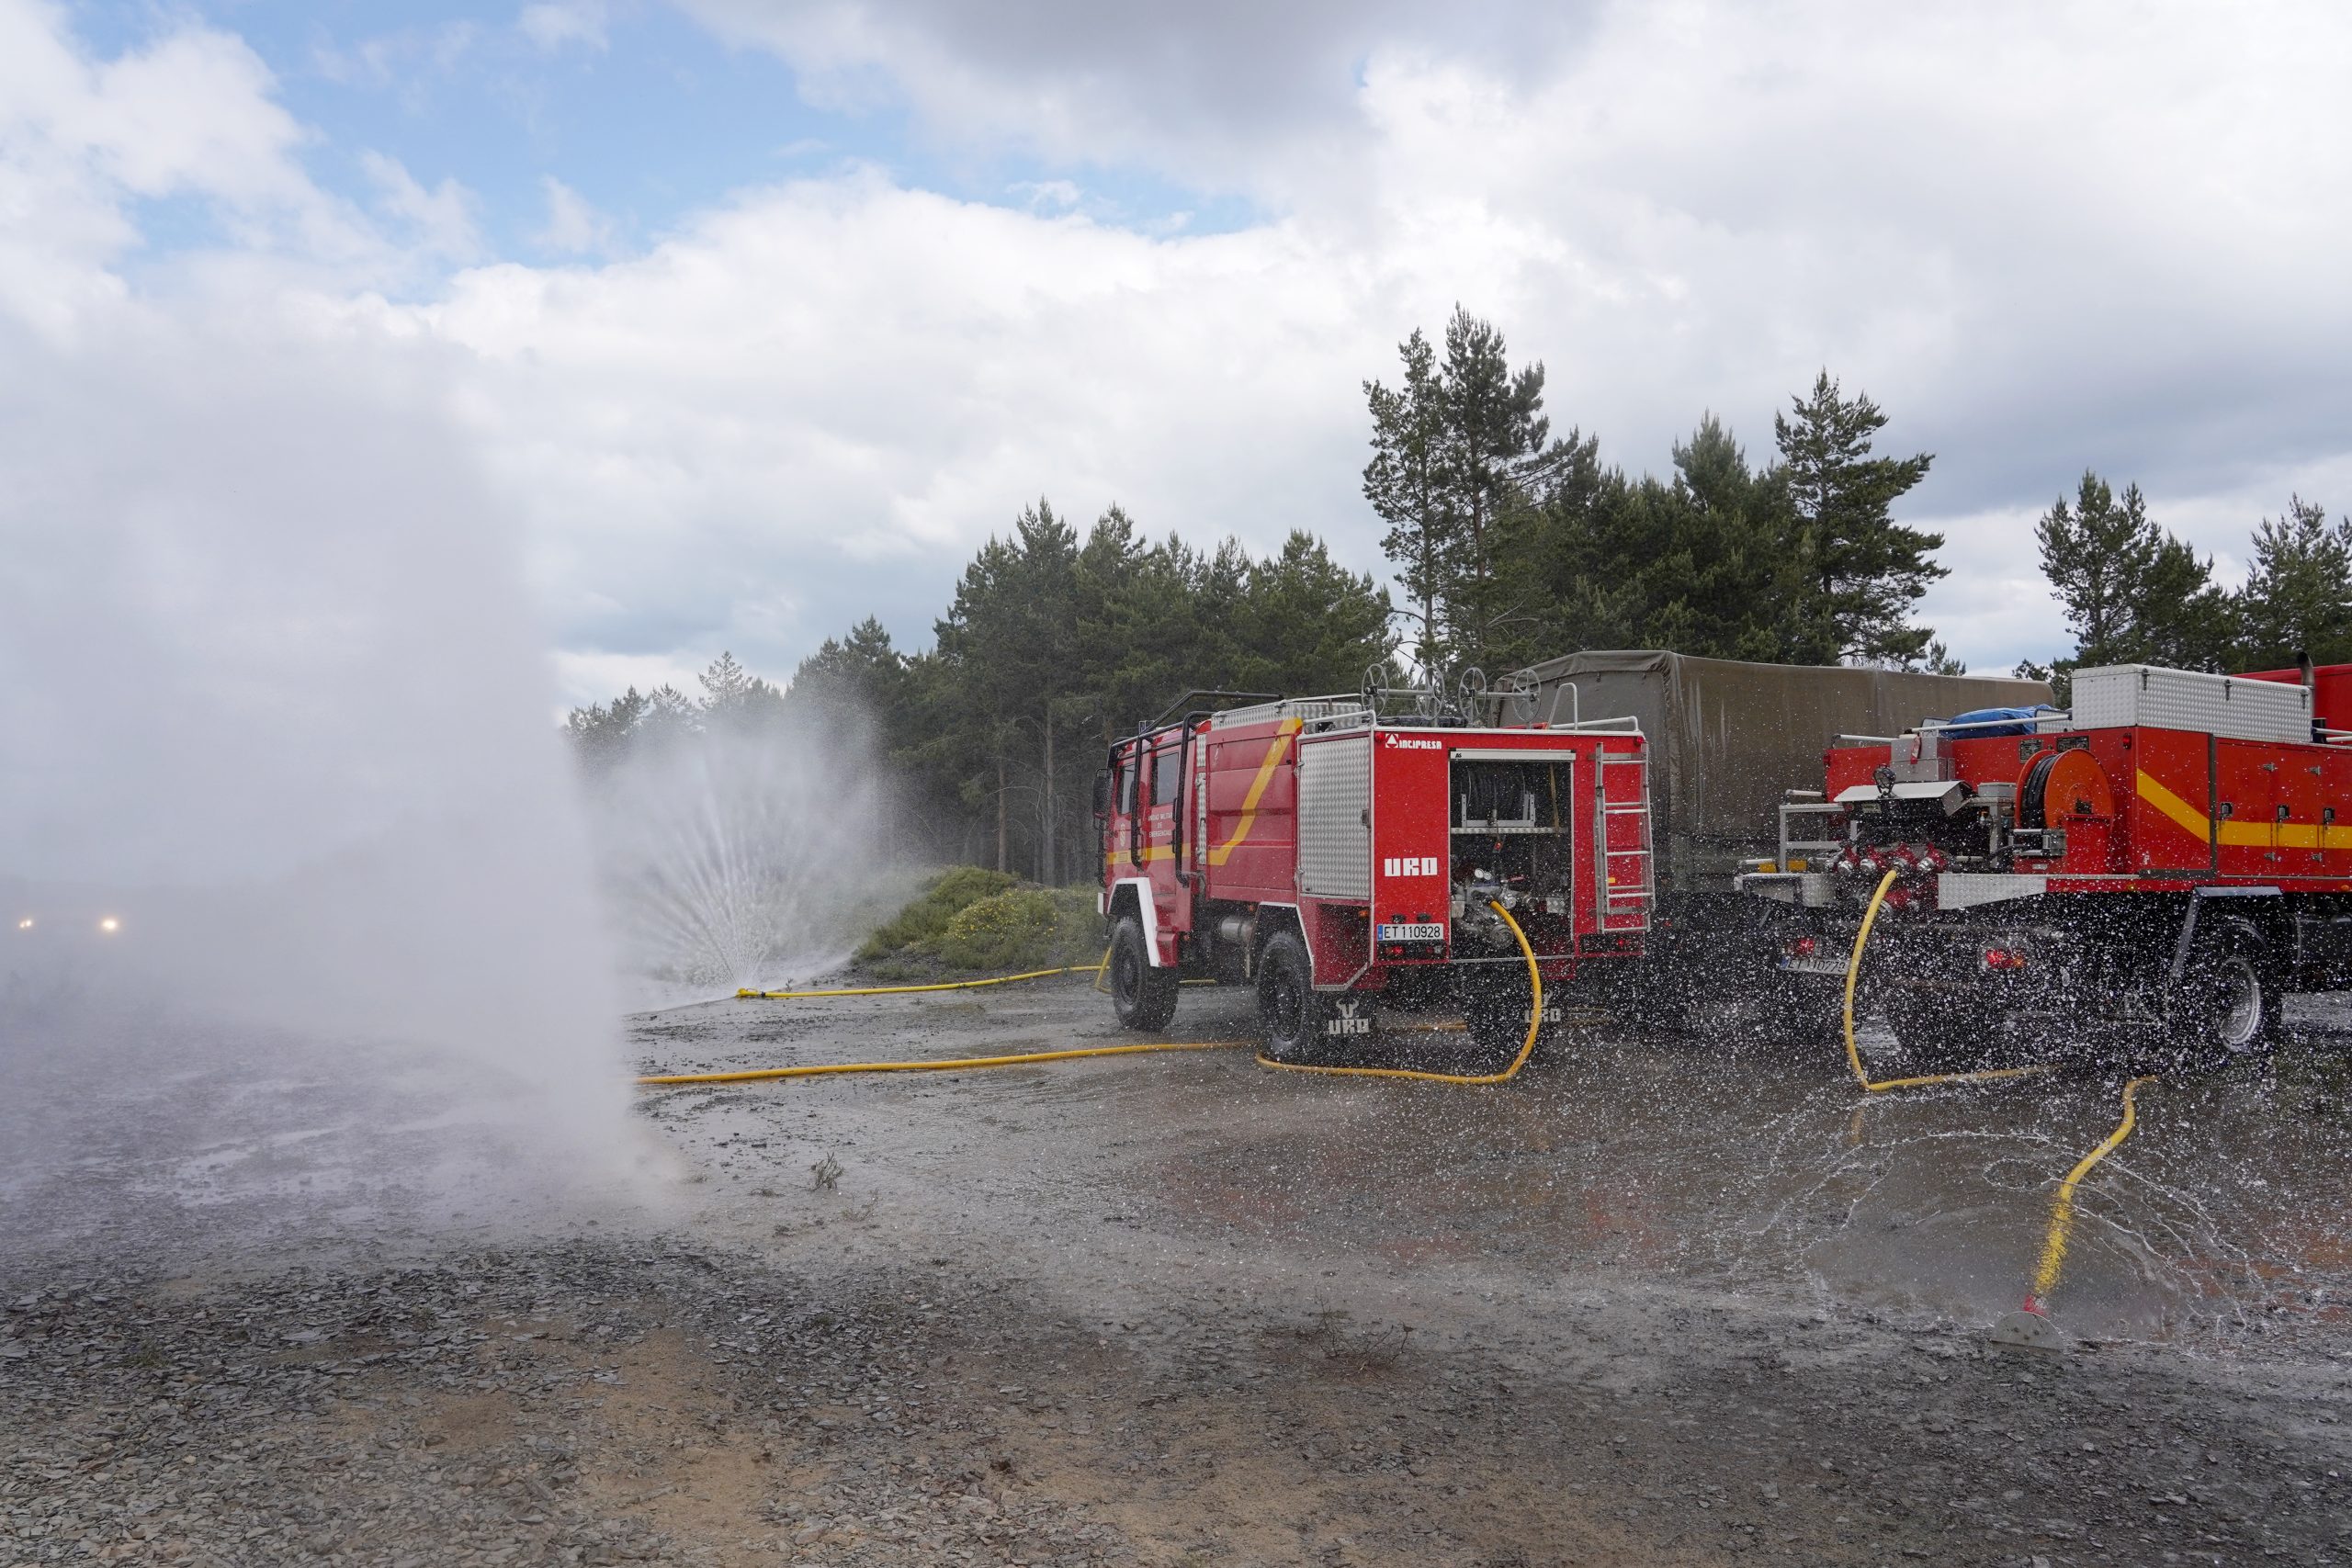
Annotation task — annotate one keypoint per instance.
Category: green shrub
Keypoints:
(975, 921)
(924, 920)
(996, 932)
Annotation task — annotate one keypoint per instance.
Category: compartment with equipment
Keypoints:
(1511, 838)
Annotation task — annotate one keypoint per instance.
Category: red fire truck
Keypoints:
(1330, 857)
(2155, 867)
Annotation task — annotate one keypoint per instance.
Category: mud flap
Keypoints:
(2026, 1331)
(1347, 1021)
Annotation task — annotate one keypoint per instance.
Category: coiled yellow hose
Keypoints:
(1853, 1052)
(1527, 1046)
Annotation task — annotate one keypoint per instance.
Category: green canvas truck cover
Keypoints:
(1726, 737)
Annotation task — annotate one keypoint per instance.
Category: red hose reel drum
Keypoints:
(2058, 787)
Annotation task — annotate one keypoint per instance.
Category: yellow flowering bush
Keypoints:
(974, 921)
(924, 920)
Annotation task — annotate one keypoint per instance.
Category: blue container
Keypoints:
(2021, 721)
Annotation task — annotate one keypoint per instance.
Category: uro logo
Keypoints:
(1406, 743)
(1411, 865)
(1348, 1018)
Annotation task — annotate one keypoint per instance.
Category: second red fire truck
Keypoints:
(2147, 874)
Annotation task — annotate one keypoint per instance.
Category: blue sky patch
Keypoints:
(648, 117)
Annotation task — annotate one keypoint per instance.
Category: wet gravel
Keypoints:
(591, 1404)
(1088, 1316)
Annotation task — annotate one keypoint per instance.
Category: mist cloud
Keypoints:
(276, 700)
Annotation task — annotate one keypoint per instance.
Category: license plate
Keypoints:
(1434, 931)
(1813, 965)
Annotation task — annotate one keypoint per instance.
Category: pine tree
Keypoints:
(602, 733)
(1564, 545)
(1745, 579)
(1868, 569)
(1309, 624)
(1407, 483)
(1494, 443)
(2132, 593)
(2298, 597)
(1006, 639)
(855, 682)
(1700, 563)
(734, 697)
(1458, 457)
(1937, 660)
(2096, 555)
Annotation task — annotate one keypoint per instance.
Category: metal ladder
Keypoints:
(1617, 898)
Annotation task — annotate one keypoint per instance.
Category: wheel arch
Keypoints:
(1274, 918)
(1132, 895)
(2261, 912)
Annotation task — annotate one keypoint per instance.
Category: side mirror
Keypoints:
(1103, 794)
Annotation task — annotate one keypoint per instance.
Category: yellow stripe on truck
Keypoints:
(2244, 835)
(1274, 755)
(2188, 817)
(1217, 853)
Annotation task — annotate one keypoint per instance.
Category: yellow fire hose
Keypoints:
(937, 985)
(1534, 1021)
(954, 1065)
(1853, 1052)
(746, 994)
(1527, 1046)
(2062, 1211)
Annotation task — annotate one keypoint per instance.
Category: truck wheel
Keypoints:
(1938, 1033)
(1495, 1004)
(1293, 1010)
(1144, 997)
(2225, 1006)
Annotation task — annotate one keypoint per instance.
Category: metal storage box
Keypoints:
(2230, 705)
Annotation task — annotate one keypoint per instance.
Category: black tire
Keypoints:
(1495, 1001)
(1144, 997)
(1298, 1019)
(1940, 1032)
(2225, 1006)
(1806, 1010)
(1645, 994)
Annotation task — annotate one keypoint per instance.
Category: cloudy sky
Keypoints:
(758, 316)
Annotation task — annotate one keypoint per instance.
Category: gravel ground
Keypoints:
(1175, 1310)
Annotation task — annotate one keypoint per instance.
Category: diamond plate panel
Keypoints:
(1334, 792)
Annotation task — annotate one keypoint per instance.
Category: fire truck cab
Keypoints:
(1333, 857)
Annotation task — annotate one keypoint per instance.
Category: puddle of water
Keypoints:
(2224, 1220)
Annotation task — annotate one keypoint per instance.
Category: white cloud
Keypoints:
(555, 23)
(1048, 196)
(2042, 239)
(574, 226)
(396, 58)
(2036, 254)
(440, 221)
(592, 677)
(819, 401)
(1219, 91)
(187, 116)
